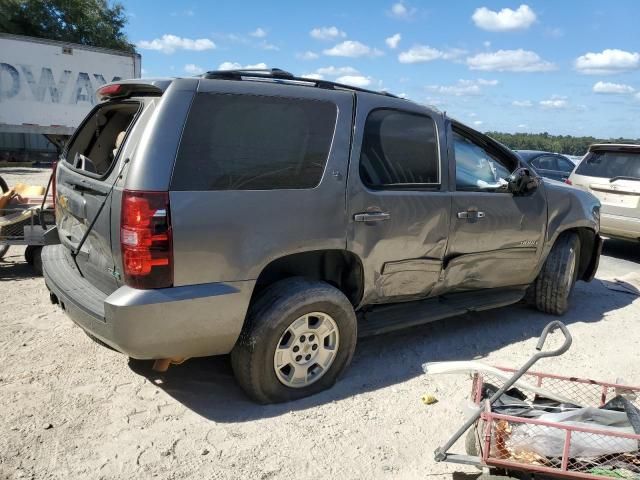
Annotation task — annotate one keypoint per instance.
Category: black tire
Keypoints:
(551, 290)
(274, 312)
(33, 256)
(3, 251)
(3, 185)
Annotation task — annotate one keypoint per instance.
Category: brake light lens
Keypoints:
(146, 239)
(568, 181)
(108, 91)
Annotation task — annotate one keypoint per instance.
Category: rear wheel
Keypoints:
(299, 337)
(551, 290)
(3, 251)
(3, 185)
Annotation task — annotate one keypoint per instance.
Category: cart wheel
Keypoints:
(33, 256)
(3, 251)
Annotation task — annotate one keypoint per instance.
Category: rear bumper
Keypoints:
(619, 226)
(188, 321)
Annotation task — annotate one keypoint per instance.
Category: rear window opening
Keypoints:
(610, 165)
(95, 146)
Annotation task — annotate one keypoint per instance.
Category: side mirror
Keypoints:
(522, 181)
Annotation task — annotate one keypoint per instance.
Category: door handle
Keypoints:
(371, 217)
(469, 214)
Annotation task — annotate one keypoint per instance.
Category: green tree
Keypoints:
(96, 23)
(552, 143)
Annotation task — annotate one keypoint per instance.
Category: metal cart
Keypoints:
(30, 222)
(506, 446)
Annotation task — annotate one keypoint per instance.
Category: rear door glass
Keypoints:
(251, 142)
(610, 165)
(96, 144)
(545, 162)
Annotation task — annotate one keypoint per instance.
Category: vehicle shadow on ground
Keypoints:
(207, 386)
(15, 269)
(622, 249)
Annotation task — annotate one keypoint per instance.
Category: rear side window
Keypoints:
(399, 149)
(250, 142)
(545, 162)
(97, 142)
(610, 164)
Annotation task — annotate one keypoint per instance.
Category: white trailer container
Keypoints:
(48, 87)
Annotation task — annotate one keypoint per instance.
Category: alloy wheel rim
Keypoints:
(306, 350)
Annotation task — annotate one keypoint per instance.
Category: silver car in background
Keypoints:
(612, 173)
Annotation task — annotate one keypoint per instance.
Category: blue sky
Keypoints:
(565, 67)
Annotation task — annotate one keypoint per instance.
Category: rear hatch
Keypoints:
(89, 166)
(613, 175)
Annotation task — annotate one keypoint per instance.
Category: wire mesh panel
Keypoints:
(569, 435)
(14, 220)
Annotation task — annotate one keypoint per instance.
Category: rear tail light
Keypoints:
(146, 239)
(568, 181)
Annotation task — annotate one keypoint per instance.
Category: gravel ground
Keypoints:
(73, 409)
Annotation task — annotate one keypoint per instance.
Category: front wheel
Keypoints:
(298, 338)
(551, 290)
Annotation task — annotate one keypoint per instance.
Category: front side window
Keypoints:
(251, 142)
(399, 149)
(476, 168)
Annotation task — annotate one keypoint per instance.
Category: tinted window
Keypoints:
(398, 149)
(565, 165)
(476, 168)
(610, 164)
(545, 162)
(247, 142)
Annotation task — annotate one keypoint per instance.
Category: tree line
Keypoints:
(565, 144)
(96, 23)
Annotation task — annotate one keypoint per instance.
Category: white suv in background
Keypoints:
(612, 173)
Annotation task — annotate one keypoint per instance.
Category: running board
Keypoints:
(386, 318)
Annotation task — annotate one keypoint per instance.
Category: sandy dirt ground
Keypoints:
(73, 409)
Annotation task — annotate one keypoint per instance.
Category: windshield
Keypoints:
(610, 165)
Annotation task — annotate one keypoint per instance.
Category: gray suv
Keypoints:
(279, 218)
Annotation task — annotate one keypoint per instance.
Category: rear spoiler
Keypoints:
(614, 147)
(129, 88)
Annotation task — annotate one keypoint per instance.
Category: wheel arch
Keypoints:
(590, 247)
(340, 268)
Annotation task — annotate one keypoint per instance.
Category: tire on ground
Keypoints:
(269, 317)
(551, 289)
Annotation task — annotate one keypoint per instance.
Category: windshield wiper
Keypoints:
(623, 177)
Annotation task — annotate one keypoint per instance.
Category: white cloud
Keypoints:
(504, 20)
(193, 69)
(170, 43)
(352, 48)
(477, 123)
(314, 76)
(486, 44)
(264, 45)
(308, 55)
(555, 102)
(607, 62)
(401, 11)
(425, 53)
(523, 125)
(237, 66)
(463, 87)
(637, 95)
(337, 71)
(509, 61)
(393, 40)
(259, 33)
(473, 114)
(522, 103)
(402, 95)
(327, 33)
(355, 80)
(607, 87)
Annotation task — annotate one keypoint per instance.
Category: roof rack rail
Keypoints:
(279, 74)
